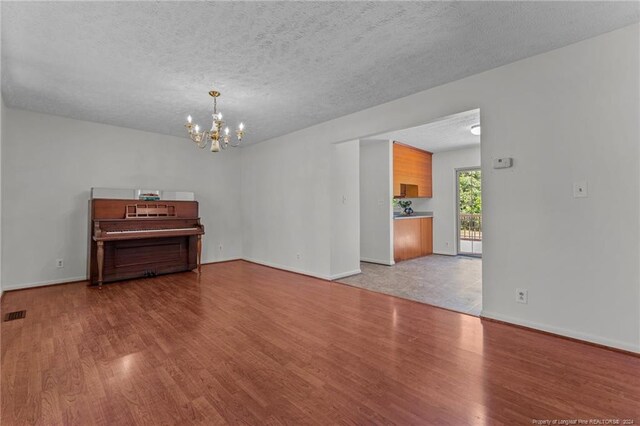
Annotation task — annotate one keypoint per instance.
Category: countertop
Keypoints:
(413, 216)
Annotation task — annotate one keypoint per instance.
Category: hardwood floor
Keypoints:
(250, 344)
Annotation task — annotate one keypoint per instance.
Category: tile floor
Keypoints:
(452, 282)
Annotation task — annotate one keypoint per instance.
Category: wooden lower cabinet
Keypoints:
(426, 233)
(412, 238)
(407, 237)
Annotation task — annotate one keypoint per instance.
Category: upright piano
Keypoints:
(131, 238)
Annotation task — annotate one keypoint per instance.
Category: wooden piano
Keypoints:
(131, 239)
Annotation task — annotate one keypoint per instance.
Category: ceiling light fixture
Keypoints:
(214, 135)
(475, 129)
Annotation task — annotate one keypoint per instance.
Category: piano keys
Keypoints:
(132, 239)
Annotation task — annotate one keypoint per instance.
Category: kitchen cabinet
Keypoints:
(412, 237)
(426, 235)
(411, 172)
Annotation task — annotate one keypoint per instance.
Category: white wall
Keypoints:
(2, 120)
(566, 115)
(376, 193)
(443, 203)
(50, 163)
(286, 204)
(345, 209)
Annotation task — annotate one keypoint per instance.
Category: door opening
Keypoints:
(469, 211)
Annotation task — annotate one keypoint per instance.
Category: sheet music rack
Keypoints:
(136, 211)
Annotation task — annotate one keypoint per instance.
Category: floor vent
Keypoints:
(15, 315)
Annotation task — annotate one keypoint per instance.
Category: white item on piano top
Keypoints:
(142, 194)
(134, 194)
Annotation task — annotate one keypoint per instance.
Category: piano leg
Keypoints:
(100, 259)
(199, 254)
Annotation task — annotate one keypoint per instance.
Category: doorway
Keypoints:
(469, 211)
(425, 229)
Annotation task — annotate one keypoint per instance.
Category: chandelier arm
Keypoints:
(206, 139)
(203, 143)
(235, 145)
(194, 137)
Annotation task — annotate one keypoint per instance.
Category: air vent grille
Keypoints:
(15, 315)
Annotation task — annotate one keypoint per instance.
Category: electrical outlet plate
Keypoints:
(59, 263)
(522, 295)
(580, 189)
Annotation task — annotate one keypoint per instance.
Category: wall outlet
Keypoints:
(59, 263)
(522, 295)
(580, 189)
(220, 247)
(298, 256)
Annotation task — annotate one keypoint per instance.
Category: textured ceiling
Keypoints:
(280, 66)
(446, 134)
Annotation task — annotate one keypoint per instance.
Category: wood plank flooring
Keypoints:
(247, 344)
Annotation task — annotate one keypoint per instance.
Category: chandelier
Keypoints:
(215, 136)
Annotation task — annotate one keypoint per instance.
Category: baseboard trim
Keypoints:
(45, 283)
(287, 268)
(378, 261)
(71, 280)
(234, 259)
(445, 254)
(345, 274)
(589, 339)
(231, 259)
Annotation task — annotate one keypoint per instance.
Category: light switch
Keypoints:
(580, 189)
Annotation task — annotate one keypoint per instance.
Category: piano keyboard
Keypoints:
(136, 231)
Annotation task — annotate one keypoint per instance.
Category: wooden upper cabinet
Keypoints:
(411, 172)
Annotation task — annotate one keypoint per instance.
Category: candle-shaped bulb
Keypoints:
(219, 116)
(189, 119)
(197, 128)
(241, 126)
(226, 131)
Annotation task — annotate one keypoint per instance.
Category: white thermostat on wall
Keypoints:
(502, 163)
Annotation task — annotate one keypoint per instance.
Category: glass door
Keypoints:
(469, 211)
